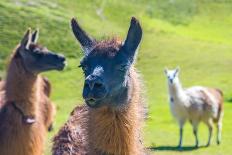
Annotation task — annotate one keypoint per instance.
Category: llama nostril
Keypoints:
(94, 82)
(98, 85)
(89, 84)
(92, 85)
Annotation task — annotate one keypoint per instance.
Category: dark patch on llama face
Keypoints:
(106, 66)
(172, 75)
(37, 58)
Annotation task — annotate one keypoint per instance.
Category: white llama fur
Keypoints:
(195, 104)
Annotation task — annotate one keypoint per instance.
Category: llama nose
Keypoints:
(94, 83)
(171, 80)
(61, 57)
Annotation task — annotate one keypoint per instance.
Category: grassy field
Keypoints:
(193, 34)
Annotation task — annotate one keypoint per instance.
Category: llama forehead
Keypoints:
(171, 72)
(105, 53)
(37, 47)
(107, 47)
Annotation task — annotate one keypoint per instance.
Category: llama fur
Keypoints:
(104, 130)
(196, 104)
(110, 122)
(27, 91)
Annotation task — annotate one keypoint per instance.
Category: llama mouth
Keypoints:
(61, 66)
(93, 103)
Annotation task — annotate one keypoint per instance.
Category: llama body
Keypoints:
(23, 124)
(195, 104)
(47, 107)
(110, 124)
(25, 138)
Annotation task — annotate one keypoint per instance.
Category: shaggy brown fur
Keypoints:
(109, 47)
(48, 108)
(24, 94)
(2, 93)
(108, 131)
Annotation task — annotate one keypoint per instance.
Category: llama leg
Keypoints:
(181, 123)
(181, 137)
(195, 130)
(219, 131)
(210, 126)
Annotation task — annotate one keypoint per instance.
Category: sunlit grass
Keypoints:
(201, 45)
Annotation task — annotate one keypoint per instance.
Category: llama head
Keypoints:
(172, 75)
(106, 66)
(37, 58)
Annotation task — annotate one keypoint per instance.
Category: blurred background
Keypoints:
(195, 35)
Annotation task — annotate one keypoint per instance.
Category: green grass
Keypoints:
(195, 35)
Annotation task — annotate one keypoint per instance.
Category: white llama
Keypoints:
(195, 104)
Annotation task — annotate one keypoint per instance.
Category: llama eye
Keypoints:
(80, 66)
(84, 68)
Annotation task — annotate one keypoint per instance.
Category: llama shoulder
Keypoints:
(204, 94)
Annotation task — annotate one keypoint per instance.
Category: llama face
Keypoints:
(172, 75)
(37, 58)
(106, 66)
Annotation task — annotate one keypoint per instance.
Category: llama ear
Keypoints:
(177, 69)
(25, 42)
(133, 38)
(166, 70)
(35, 36)
(86, 42)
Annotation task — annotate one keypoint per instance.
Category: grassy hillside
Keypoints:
(195, 35)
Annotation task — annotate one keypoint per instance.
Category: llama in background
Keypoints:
(195, 104)
(24, 116)
(110, 124)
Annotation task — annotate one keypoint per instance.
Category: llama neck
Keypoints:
(177, 93)
(176, 90)
(21, 87)
(116, 131)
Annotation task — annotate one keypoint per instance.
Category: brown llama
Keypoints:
(111, 122)
(22, 127)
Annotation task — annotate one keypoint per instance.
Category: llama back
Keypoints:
(71, 138)
(216, 102)
(209, 99)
